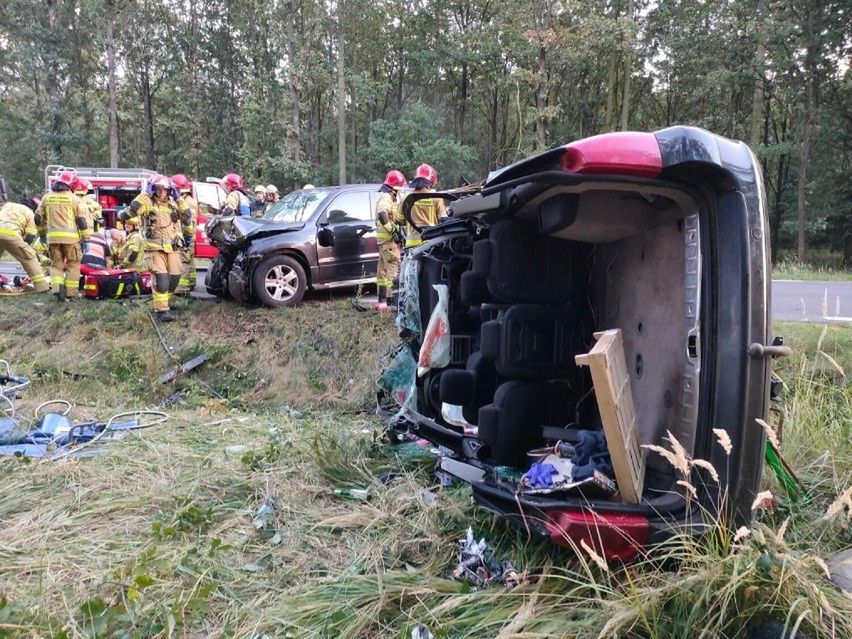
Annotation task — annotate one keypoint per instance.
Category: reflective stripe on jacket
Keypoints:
(386, 204)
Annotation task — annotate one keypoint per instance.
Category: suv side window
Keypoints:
(353, 206)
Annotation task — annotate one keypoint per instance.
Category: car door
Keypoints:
(349, 217)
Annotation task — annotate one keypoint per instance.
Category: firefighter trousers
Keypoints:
(166, 270)
(65, 267)
(26, 255)
(388, 269)
(189, 274)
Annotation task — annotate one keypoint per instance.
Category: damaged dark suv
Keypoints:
(312, 239)
(657, 238)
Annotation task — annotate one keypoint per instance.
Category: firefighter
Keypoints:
(158, 211)
(425, 212)
(63, 219)
(387, 236)
(95, 212)
(272, 195)
(258, 207)
(17, 233)
(131, 252)
(96, 250)
(236, 202)
(188, 221)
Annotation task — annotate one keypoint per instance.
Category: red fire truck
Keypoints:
(115, 188)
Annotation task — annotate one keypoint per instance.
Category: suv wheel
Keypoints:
(279, 281)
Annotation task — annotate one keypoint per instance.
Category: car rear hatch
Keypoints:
(661, 236)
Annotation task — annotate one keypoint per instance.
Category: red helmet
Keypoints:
(78, 185)
(232, 181)
(428, 172)
(395, 180)
(67, 178)
(181, 182)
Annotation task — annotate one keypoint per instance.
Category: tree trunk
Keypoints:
(295, 92)
(52, 84)
(807, 137)
(541, 100)
(757, 97)
(628, 66)
(113, 105)
(611, 80)
(148, 114)
(341, 101)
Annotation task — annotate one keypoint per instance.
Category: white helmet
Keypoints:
(309, 186)
(271, 188)
(260, 189)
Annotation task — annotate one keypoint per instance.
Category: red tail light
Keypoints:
(613, 536)
(623, 153)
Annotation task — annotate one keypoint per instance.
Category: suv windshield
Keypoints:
(296, 206)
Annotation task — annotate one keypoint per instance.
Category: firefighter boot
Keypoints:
(165, 316)
(61, 293)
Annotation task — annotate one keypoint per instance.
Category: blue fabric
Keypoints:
(590, 454)
(540, 474)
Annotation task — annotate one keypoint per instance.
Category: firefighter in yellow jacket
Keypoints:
(425, 212)
(188, 223)
(131, 253)
(63, 219)
(158, 212)
(94, 211)
(387, 233)
(17, 233)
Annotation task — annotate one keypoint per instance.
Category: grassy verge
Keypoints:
(214, 528)
(792, 270)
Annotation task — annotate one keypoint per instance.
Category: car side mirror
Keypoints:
(325, 236)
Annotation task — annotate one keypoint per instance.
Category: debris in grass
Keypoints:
(421, 631)
(358, 494)
(236, 449)
(840, 568)
(478, 567)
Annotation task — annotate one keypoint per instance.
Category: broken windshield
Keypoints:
(297, 206)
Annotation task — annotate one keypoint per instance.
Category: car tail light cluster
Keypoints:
(622, 153)
(614, 536)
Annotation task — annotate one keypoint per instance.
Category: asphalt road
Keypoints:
(792, 301)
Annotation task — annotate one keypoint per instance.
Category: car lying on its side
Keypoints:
(312, 239)
(663, 236)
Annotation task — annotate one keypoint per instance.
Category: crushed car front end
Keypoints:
(658, 238)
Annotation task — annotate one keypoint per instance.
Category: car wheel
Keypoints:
(279, 281)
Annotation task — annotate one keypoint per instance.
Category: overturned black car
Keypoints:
(655, 245)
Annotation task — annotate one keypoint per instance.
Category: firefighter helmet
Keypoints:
(181, 182)
(395, 180)
(271, 188)
(67, 178)
(158, 181)
(232, 182)
(428, 172)
(78, 185)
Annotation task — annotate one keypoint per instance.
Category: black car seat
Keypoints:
(512, 424)
(470, 388)
(533, 342)
(517, 264)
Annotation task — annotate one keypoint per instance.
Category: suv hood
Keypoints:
(232, 231)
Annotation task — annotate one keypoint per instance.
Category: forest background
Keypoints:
(302, 91)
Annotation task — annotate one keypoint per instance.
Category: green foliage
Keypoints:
(467, 86)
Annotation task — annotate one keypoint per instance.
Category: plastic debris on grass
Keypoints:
(479, 568)
(355, 494)
(421, 631)
(398, 381)
(436, 349)
(408, 317)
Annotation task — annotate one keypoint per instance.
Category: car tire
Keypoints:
(279, 281)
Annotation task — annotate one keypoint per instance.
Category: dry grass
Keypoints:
(163, 536)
